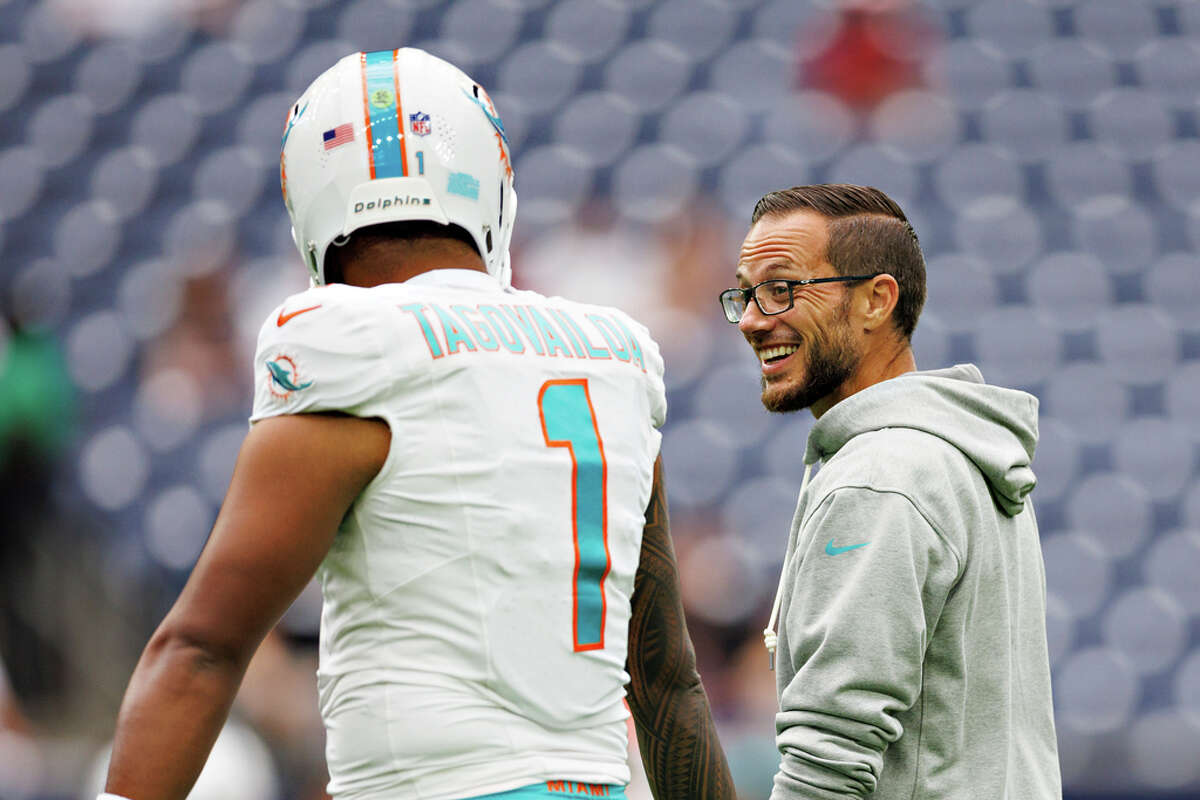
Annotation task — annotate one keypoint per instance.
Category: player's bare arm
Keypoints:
(296, 476)
(678, 741)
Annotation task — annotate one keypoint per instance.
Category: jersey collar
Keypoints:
(454, 278)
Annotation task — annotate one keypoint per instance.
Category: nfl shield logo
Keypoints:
(419, 122)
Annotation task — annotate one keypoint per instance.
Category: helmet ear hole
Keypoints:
(488, 239)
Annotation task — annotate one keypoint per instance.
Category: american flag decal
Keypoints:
(340, 135)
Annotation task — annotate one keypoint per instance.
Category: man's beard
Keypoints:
(829, 363)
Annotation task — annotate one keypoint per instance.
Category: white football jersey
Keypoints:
(476, 598)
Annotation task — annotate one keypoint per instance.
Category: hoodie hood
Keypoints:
(996, 428)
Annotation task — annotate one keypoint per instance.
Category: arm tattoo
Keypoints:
(678, 741)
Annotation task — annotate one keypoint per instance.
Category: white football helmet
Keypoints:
(396, 135)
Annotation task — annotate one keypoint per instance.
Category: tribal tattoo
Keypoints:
(678, 740)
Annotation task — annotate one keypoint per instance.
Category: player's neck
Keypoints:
(398, 264)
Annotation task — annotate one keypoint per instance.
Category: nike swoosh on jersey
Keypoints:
(833, 551)
(284, 318)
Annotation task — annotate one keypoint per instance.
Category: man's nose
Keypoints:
(753, 319)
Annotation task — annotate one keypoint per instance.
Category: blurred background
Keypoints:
(1047, 152)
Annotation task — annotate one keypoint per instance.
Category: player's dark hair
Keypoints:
(868, 232)
(409, 230)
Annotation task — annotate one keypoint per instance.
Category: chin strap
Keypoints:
(770, 637)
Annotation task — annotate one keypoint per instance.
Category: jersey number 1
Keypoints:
(568, 420)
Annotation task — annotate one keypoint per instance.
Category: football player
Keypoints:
(471, 471)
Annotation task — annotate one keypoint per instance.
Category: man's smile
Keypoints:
(774, 358)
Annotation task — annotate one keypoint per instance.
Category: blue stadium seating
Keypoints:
(1051, 165)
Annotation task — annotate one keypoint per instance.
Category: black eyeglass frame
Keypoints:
(751, 294)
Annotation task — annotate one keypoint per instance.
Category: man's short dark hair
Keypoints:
(868, 232)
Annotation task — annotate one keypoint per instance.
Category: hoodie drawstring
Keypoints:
(770, 637)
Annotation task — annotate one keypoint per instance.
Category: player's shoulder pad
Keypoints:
(320, 350)
(652, 362)
(317, 310)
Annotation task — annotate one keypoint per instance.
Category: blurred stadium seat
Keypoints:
(114, 467)
(1078, 171)
(1015, 29)
(744, 174)
(21, 174)
(1058, 459)
(1147, 627)
(1134, 123)
(60, 128)
(1088, 398)
(654, 182)
(87, 237)
(483, 30)
(1120, 27)
(961, 288)
(1002, 232)
(1029, 123)
(1070, 289)
(972, 71)
(166, 126)
(372, 25)
(703, 458)
(588, 28)
(1114, 510)
(698, 28)
(1138, 343)
(1158, 453)
(1168, 67)
(541, 75)
(215, 76)
(1171, 565)
(125, 180)
(872, 165)
(757, 72)
(108, 76)
(708, 126)
(920, 125)
(559, 178)
(1078, 572)
(598, 126)
(1097, 691)
(1177, 173)
(1075, 72)
(1118, 232)
(648, 73)
(814, 125)
(1163, 749)
(15, 74)
(233, 177)
(1183, 397)
(974, 170)
(1016, 346)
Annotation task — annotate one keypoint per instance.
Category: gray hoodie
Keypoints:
(912, 642)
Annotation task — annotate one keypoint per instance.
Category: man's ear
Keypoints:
(880, 295)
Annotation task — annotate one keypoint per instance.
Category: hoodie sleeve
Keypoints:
(868, 584)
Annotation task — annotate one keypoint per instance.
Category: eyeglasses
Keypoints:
(774, 296)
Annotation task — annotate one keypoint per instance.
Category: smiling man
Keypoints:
(911, 608)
